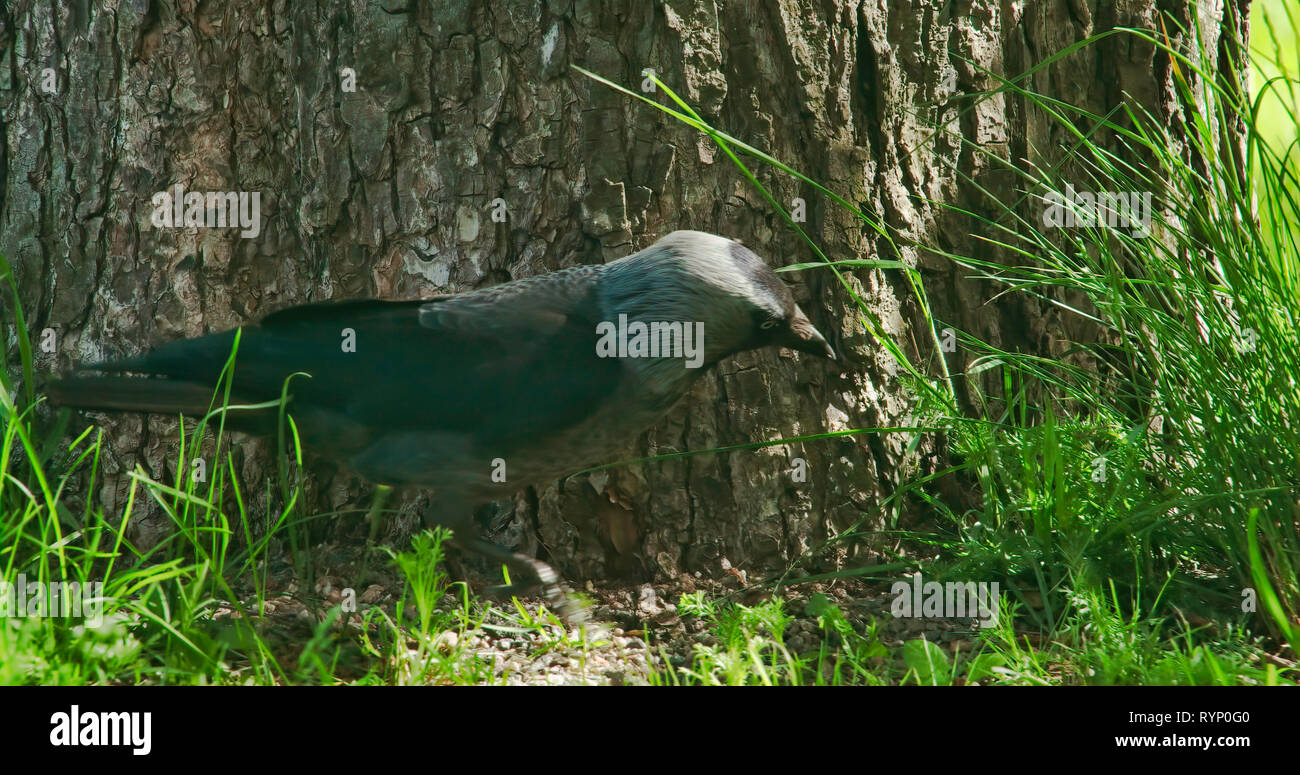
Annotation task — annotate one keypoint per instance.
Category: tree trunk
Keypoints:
(462, 108)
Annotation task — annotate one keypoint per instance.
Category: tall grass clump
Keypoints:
(160, 605)
(1186, 456)
(1155, 462)
(184, 610)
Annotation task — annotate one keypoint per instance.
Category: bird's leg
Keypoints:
(375, 515)
(377, 521)
(534, 573)
(455, 512)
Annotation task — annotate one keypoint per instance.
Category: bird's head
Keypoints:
(697, 277)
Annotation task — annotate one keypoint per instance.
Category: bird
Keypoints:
(481, 393)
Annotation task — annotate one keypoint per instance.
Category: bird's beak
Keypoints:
(804, 337)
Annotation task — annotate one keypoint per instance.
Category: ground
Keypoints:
(634, 634)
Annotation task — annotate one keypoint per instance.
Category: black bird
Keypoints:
(533, 378)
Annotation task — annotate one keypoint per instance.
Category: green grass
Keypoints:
(1097, 645)
(1193, 402)
(1151, 471)
(1135, 495)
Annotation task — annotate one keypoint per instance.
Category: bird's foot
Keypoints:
(534, 574)
(558, 598)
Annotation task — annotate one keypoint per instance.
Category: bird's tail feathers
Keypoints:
(135, 394)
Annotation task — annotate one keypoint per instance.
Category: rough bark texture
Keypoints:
(388, 191)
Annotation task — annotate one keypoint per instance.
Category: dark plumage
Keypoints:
(436, 390)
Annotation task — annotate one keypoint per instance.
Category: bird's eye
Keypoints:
(770, 323)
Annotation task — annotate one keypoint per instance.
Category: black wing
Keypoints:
(512, 362)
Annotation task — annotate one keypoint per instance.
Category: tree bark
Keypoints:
(389, 191)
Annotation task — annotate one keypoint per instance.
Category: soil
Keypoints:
(631, 630)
